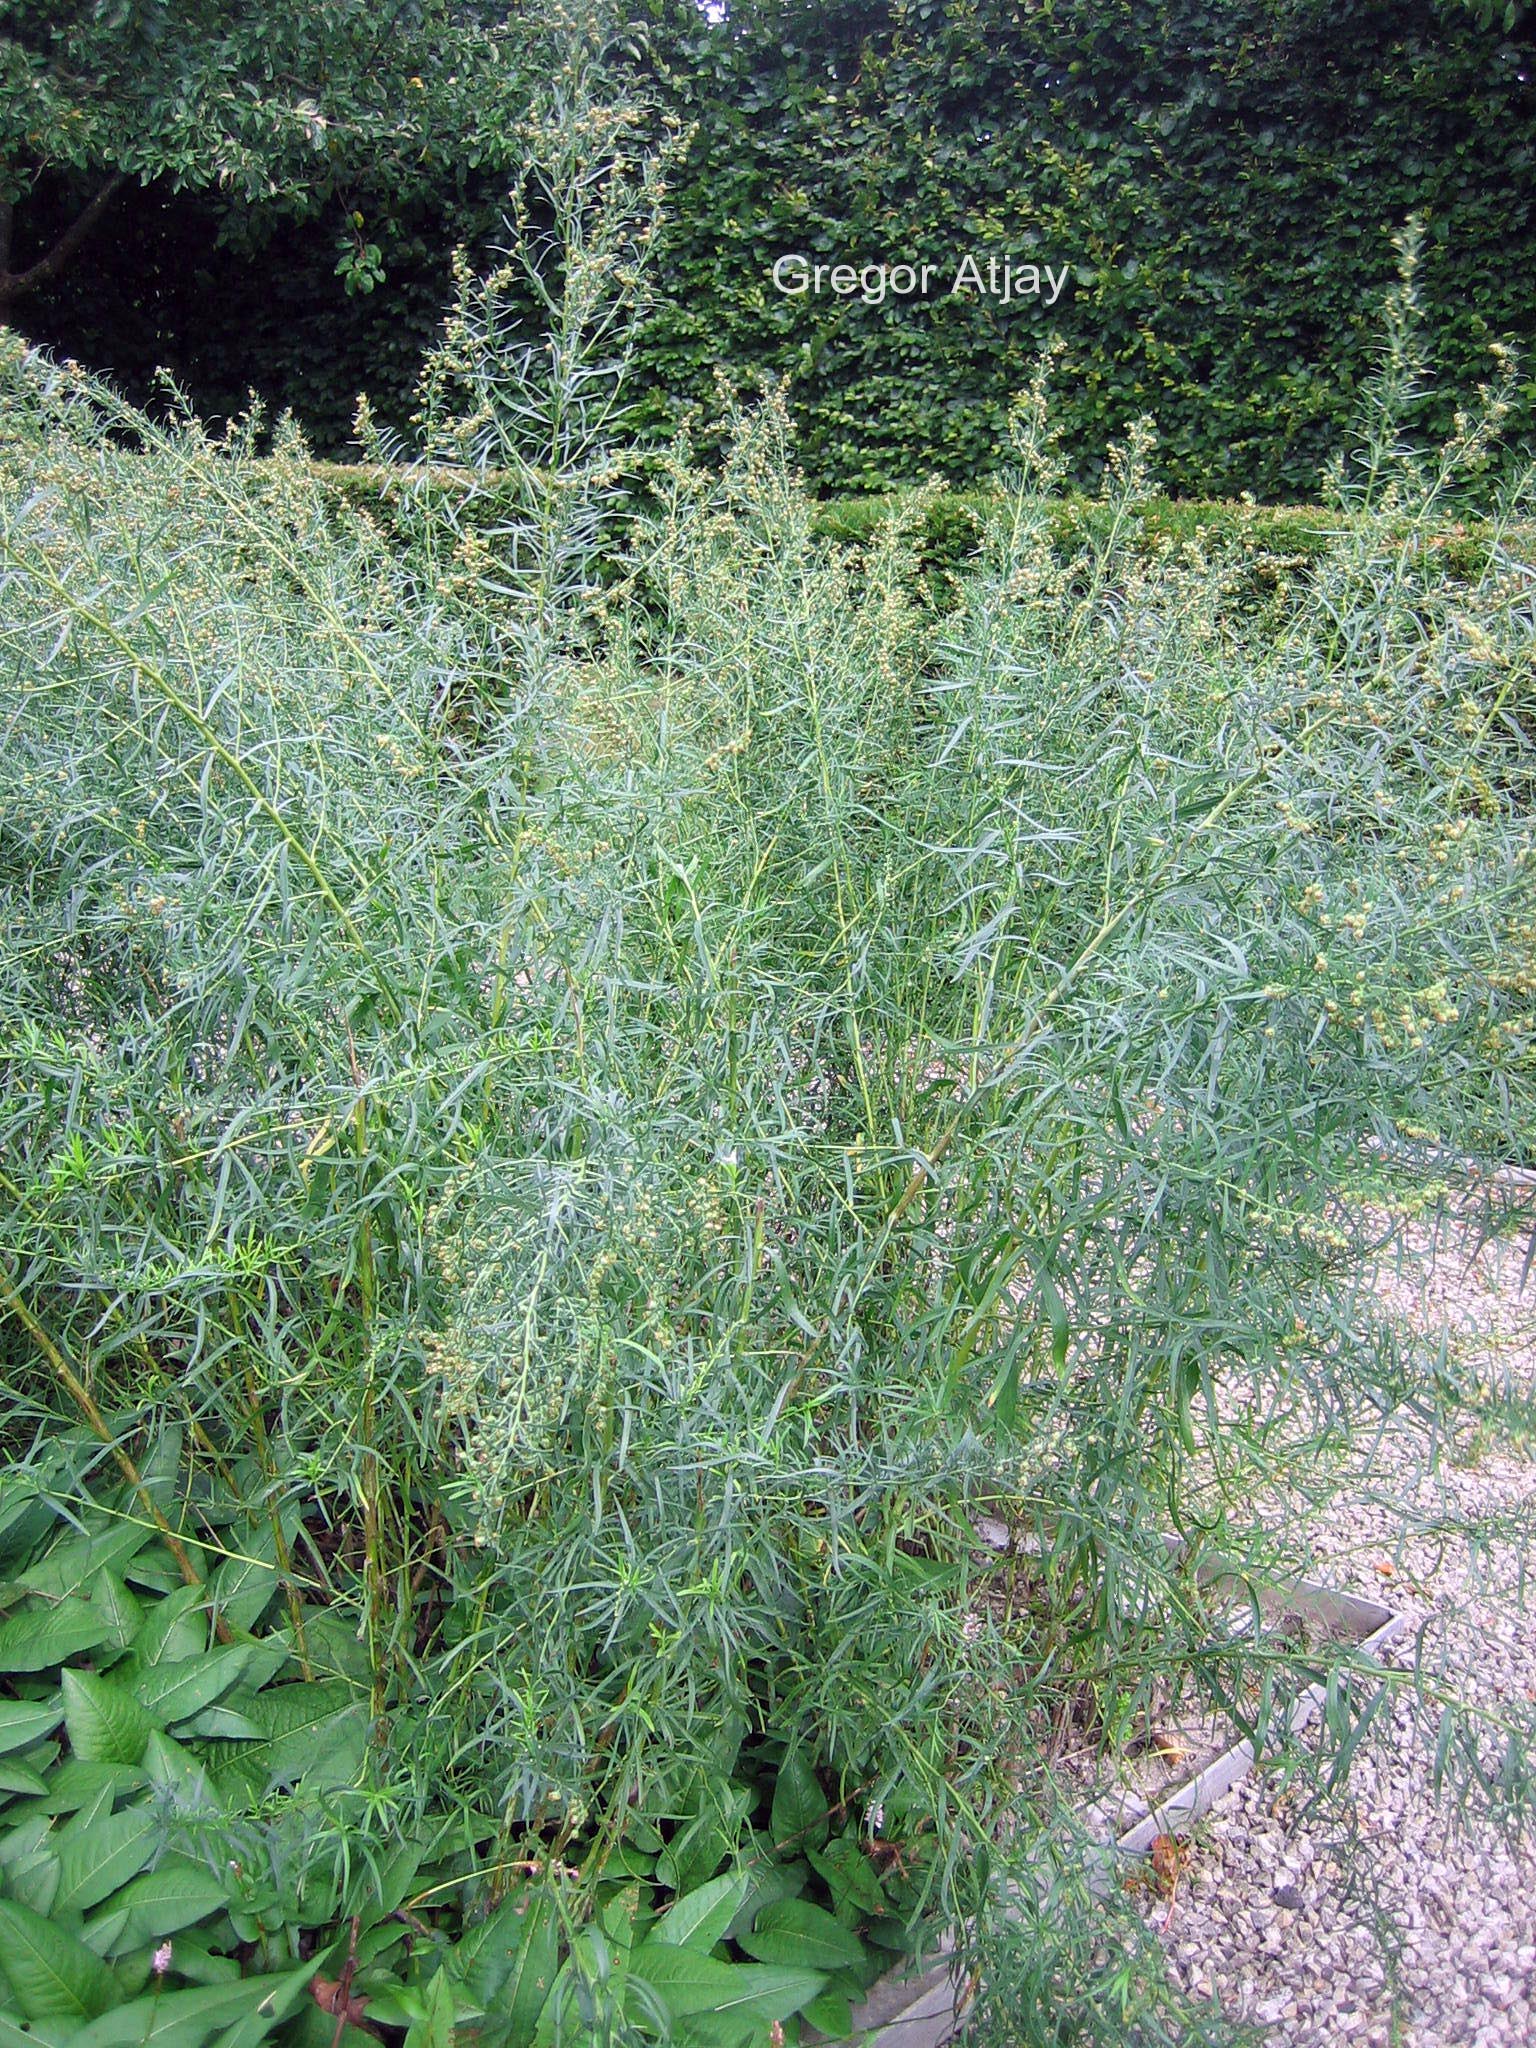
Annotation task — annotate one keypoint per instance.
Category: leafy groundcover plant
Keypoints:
(563, 1136)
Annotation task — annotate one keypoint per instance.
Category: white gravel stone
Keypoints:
(1422, 1932)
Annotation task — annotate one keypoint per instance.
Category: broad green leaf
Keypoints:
(799, 1817)
(164, 2019)
(700, 1918)
(525, 1987)
(51, 1974)
(177, 1893)
(394, 1881)
(279, 2003)
(589, 1961)
(327, 1753)
(104, 1722)
(78, 1558)
(198, 1965)
(435, 2027)
(13, 2034)
(513, 1965)
(769, 1881)
(856, 1889)
(175, 1691)
(331, 1642)
(39, 1637)
(755, 1994)
(101, 1934)
(221, 1724)
(156, 1571)
(265, 1660)
(34, 1880)
(185, 2019)
(831, 2014)
(24, 1839)
(709, 1840)
(22, 1722)
(94, 1861)
(796, 1931)
(180, 1778)
(16, 1776)
(622, 1917)
(123, 1613)
(299, 1708)
(77, 1786)
(243, 1586)
(399, 2005)
(175, 1629)
(55, 1459)
(160, 1472)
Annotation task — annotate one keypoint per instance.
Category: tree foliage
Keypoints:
(284, 111)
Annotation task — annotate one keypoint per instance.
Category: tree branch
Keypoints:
(15, 284)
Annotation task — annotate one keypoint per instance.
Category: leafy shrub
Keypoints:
(167, 1773)
(182, 1837)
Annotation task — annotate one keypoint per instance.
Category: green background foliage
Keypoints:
(1223, 176)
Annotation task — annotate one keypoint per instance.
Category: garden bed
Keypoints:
(1172, 1786)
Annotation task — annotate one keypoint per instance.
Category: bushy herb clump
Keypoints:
(614, 1116)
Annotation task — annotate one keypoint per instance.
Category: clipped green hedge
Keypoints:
(952, 521)
(1223, 178)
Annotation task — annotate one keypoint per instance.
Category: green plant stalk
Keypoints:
(80, 1394)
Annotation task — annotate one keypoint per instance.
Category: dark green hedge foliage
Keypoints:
(1222, 176)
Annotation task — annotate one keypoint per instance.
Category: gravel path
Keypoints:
(1375, 1919)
